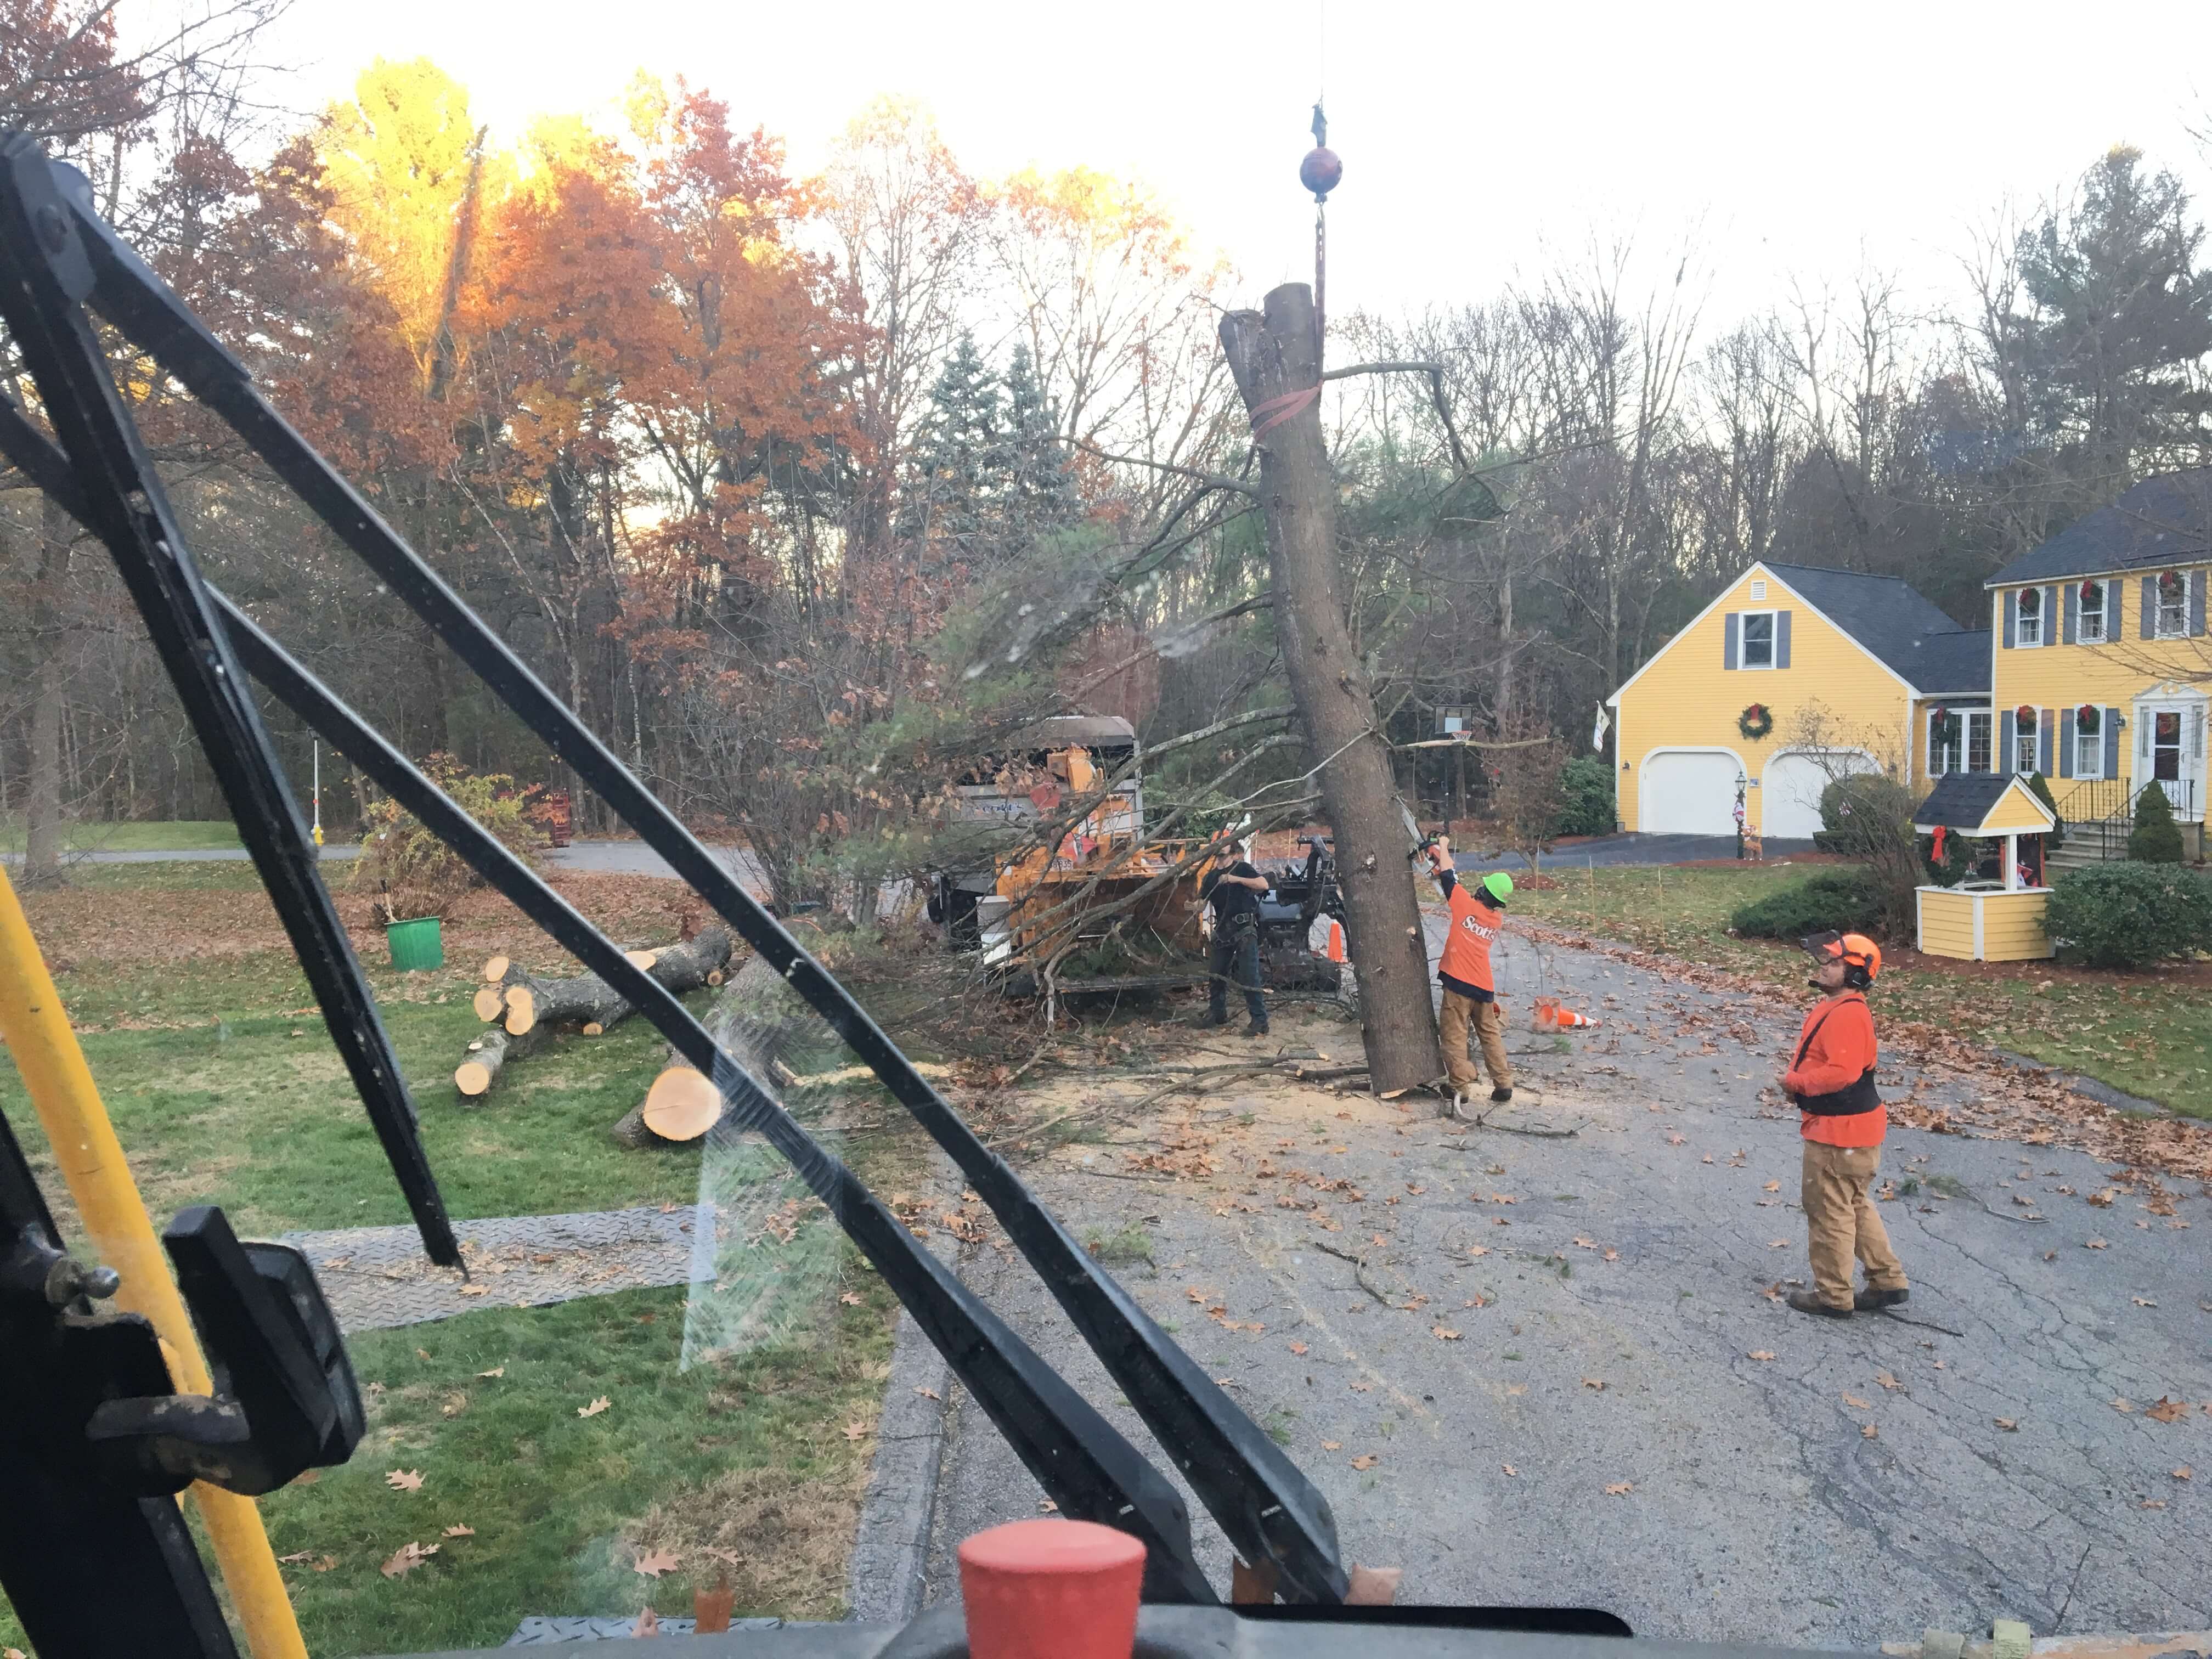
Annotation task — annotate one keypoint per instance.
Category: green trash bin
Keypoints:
(416, 944)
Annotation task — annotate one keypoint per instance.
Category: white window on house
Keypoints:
(2024, 738)
(2029, 609)
(1757, 591)
(2172, 589)
(1946, 735)
(1759, 639)
(2088, 726)
(1980, 747)
(2089, 624)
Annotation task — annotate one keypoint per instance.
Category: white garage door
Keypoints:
(1791, 790)
(1687, 794)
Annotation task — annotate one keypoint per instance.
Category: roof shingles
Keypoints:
(1903, 629)
(2162, 522)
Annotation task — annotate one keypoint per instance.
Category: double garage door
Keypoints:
(1692, 793)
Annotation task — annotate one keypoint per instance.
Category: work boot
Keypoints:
(1806, 1302)
(1211, 1022)
(1501, 1096)
(1259, 1029)
(1869, 1299)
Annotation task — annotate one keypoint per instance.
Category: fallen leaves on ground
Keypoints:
(1444, 1335)
(1761, 1354)
(648, 1622)
(1887, 1379)
(475, 1289)
(1045, 1506)
(1297, 1347)
(1621, 1489)
(1597, 1383)
(460, 1529)
(927, 1393)
(497, 1370)
(2095, 1245)
(1478, 1250)
(1771, 1187)
(1778, 1243)
(404, 1559)
(1365, 1460)
(1868, 1431)
(856, 1431)
(850, 1298)
(2167, 1411)
(1331, 1445)
(2152, 1504)
(653, 1563)
(404, 1480)
(2184, 1472)
(2009, 1425)
(2142, 1301)
(2124, 1405)
(1857, 1404)
(1511, 1470)
(595, 1407)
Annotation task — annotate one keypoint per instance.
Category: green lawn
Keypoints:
(153, 836)
(2149, 1034)
(225, 1090)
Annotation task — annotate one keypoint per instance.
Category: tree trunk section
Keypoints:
(1272, 354)
(520, 1000)
(487, 1056)
(42, 803)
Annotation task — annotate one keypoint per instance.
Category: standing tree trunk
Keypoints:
(42, 803)
(1274, 354)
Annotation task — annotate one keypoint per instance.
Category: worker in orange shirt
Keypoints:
(1470, 996)
(1831, 1081)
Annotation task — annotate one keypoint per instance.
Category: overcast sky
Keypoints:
(1478, 140)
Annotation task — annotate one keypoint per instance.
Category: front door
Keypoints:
(2173, 745)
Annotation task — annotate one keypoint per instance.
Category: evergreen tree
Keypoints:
(1040, 492)
(2155, 838)
(952, 497)
(2108, 357)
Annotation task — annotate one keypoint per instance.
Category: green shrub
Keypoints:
(413, 873)
(1840, 900)
(2156, 838)
(2128, 915)
(1862, 812)
(1586, 791)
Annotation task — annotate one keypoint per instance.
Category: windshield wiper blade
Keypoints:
(1272, 1514)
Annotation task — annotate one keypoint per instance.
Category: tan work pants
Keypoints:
(1459, 1014)
(1841, 1222)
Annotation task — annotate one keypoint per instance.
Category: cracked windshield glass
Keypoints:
(820, 821)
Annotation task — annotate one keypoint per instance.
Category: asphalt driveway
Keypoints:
(1633, 847)
(1531, 1369)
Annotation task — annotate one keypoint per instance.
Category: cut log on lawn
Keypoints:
(530, 1007)
(480, 1068)
(589, 999)
(752, 1017)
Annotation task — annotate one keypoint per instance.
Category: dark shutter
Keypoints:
(2149, 608)
(2011, 616)
(2196, 580)
(2004, 756)
(2112, 743)
(2046, 737)
(2064, 732)
(2073, 613)
(1731, 650)
(1782, 639)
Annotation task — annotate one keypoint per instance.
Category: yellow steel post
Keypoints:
(120, 1235)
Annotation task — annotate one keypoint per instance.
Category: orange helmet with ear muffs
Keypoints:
(1858, 953)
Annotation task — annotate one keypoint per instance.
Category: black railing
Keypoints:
(2099, 812)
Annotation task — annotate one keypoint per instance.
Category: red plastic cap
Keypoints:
(1063, 1589)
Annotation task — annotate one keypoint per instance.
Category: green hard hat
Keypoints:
(1499, 885)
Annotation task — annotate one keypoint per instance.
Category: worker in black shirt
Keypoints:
(1233, 889)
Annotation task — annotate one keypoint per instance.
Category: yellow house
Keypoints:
(1997, 917)
(1792, 674)
(2102, 661)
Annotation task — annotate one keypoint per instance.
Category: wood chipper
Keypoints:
(1098, 910)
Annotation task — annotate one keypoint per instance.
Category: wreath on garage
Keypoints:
(1755, 722)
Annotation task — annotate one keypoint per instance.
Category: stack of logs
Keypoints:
(522, 1009)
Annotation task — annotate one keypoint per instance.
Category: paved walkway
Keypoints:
(377, 1277)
